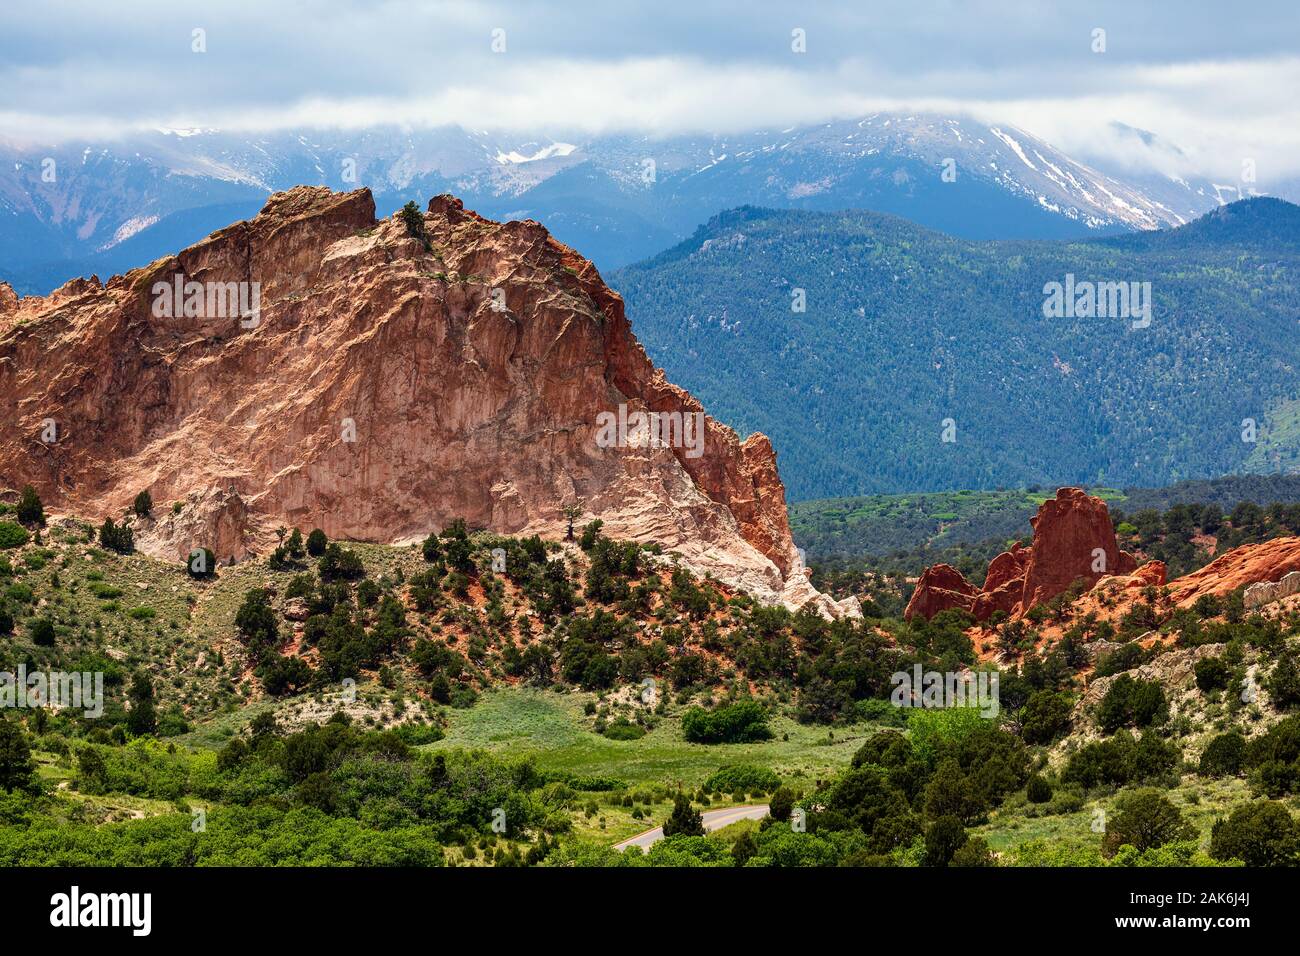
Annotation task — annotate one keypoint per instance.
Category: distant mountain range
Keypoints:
(923, 362)
(82, 208)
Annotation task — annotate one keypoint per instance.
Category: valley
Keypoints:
(838, 456)
(431, 663)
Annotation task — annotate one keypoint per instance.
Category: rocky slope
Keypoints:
(1264, 563)
(386, 384)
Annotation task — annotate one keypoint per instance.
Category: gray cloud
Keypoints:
(1220, 85)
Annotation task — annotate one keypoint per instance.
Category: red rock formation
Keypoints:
(1073, 539)
(1151, 574)
(1003, 583)
(940, 588)
(388, 385)
(1239, 568)
(1007, 568)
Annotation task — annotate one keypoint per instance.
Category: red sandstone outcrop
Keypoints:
(1152, 574)
(1266, 562)
(1073, 539)
(1004, 582)
(941, 588)
(384, 386)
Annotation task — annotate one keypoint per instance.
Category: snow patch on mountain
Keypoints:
(128, 229)
(546, 152)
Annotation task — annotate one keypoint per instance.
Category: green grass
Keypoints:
(551, 727)
(1201, 802)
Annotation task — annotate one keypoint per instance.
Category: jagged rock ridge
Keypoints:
(385, 385)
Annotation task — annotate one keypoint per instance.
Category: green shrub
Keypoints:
(684, 819)
(623, 729)
(413, 219)
(1284, 682)
(943, 838)
(974, 852)
(1121, 760)
(30, 511)
(115, 537)
(12, 535)
(20, 593)
(742, 722)
(1038, 790)
(143, 504)
(17, 769)
(202, 564)
(1146, 820)
(1045, 717)
(1212, 673)
(338, 564)
(1124, 658)
(316, 542)
(1258, 834)
(41, 632)
(1130, 702)
(746, 777)
(1224, 756)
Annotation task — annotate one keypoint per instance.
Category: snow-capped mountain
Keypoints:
(83, 207)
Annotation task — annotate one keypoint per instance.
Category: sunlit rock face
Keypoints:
(335, 371)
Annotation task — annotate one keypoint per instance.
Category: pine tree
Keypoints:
(16, 765)
(684, 819)
(143, 717)
(30, 510)
(115, 537)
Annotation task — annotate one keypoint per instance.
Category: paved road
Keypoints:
(713, 820)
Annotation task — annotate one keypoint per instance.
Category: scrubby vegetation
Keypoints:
(334, 702)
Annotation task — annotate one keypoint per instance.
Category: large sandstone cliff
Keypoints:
(387, 385)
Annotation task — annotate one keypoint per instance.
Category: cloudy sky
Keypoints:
(1218, 79)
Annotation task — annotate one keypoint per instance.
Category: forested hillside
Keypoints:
(834, 529)
(924, 362)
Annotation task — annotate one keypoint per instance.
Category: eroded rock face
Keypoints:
(941, 588)
(1151, 574)
(383, 386)
(1174, 670)
(1073, 539)
(1266, 592)
(1003, 583)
